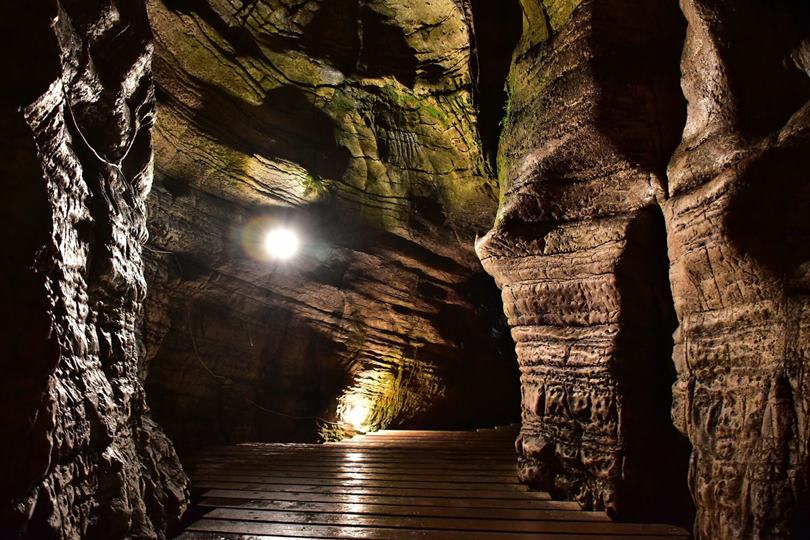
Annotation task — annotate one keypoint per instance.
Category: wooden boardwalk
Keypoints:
(387, 485)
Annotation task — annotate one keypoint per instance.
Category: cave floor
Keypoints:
(386, 485)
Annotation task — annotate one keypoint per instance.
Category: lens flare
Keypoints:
(281, 243)
(356, 414)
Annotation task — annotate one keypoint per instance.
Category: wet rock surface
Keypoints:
(80, 456)
(650, 243)
(578, 249)
(738, 227)
(354, 124)
(590, 221)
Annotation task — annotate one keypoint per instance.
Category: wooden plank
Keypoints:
(479, 445)
(447, 432)
(484, 441)
(452, 524)
(363, 490)
(340, 471)
(394, 510)
(436, 461)
(482, 478)
(270, 479)
(382, 453)
(327, 531)
(365, 461)
(194, 535)
(366, 467)
(359, 461)
(371, 458)
(442, 435)
(388, 485)
(330, 452)
(437, 435)
(394, 499)
(471, 436)
(442, 441)
(458, 443)
(472, 446)
(415, 440)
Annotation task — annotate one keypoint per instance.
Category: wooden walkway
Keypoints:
(387, 485)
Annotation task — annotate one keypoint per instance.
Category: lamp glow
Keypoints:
(281, 243)
(355, 415)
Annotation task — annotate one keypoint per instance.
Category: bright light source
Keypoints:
(355, 415)
(281, 243)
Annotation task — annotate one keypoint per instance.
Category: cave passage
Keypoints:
(428, 269)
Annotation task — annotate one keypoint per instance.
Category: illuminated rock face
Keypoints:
(628, 215)
(578, 249)
(354, 124)
(79, 458)
(588, 220)
(739, 243)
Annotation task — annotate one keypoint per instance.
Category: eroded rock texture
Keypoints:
(352, 122)
(739, 224)
(578, 249)
(80, 457)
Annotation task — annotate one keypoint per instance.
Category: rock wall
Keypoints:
(578, 249)
(354, 123)
(80, 457)
(738, 217)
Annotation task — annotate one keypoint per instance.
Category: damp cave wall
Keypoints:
(80, 456)
(354, 123)
(592, 210)
(578, 248)
(605, 183)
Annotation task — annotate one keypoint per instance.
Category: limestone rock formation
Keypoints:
(353, 123)
(738, 217)
(80, 456)
(578, 249)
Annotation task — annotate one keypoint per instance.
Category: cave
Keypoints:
(381, 269)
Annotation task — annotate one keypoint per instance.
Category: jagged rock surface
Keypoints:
(80, 456)
(739, 239)
(578, 251)
(577, 248)
(352, 122)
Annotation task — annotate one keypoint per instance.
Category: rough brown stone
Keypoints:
(80, 456)
(739, 237)
(353, 122)
(578, 251)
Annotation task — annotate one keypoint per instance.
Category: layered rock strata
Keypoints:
(578, 251)
(80, 456)
(738, 218)
(354, 124)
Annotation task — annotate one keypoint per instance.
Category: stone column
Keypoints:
(738, 218)
(80, 456)
(578, 249)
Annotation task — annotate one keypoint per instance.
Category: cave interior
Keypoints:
(304, 222)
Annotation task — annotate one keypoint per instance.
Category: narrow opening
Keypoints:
(496, 30)
(658, 454)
